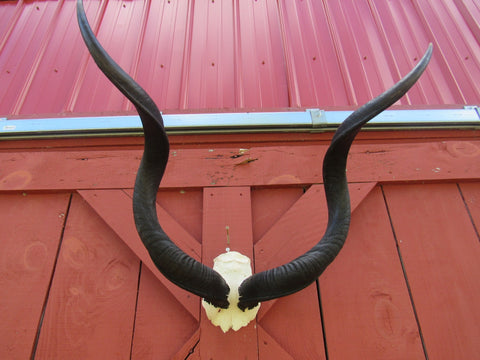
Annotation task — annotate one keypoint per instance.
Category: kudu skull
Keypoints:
(229, 289)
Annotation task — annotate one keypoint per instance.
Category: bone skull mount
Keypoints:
(234, 268)
(231, 292)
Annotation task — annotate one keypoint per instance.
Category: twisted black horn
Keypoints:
(304, 270)
(185, 271)
(172, 262)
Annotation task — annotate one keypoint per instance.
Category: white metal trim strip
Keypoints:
(310, 120)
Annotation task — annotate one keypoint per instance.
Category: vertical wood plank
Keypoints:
(189, 349)
(91, 307)
(365, 300)
(30, 231)
(227, 207)
(115, 208)
(162, 325)
(300, 228)
(471, 195)
(441, 253)
(296, 325)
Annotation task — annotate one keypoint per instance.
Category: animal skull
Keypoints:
(234, 268)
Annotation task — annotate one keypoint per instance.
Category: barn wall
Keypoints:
(70, 263)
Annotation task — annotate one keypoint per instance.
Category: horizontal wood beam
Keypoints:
(256, 166)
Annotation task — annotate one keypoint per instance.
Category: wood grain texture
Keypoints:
(238, 140)
(91, 307)
(295, 323)
(227, 207)
(441, 252)
(163, 327)
(30, 233)
(115, 208)
(279, 165)
(186, 207)
(189, 349)
(268, 348)
(364, 295)
(471, 195)
(268, 205)
(299, 229)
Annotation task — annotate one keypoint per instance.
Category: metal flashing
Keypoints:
(318, 118)
(310, 120)
(414, 118)
(473, 107)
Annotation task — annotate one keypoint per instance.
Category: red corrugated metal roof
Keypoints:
(239, 55)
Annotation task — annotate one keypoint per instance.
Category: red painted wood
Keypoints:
(230, 206)
(471, 195)
(269, 204)
(189, 349)
(295, 323)
(277, 165)
(440, 252)
(364, 296)
(91, 308)
(115, 208)
(284, 241)
(268, 348)
(186, 207)
(238, 140)
(30, 232)
(164, 328)
(436, 283)
(294, 233)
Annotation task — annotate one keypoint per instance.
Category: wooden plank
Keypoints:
(269, 204)
(223, 167)
(295, 323)
(238, 140)
(364, 296)
(91, 307)
(299, 229)
(441, 252)
(186, 207)
(189, 349)
(30, 232)
(76, 170)
(163, 327)
(268, 348)
(115, 208)
(471, 195)
(227, 207)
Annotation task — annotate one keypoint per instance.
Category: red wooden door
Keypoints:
(78, 283)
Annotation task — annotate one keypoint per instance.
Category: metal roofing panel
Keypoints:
(209, 55)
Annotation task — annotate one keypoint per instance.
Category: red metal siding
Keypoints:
(238, 55)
